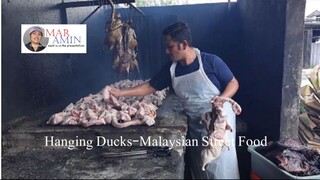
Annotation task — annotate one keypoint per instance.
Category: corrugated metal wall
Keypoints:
(34, 82)
(249, 37)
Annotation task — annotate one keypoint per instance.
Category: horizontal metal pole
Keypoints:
(92, 3)
(127, 153)
(90, 14)
(131, 5)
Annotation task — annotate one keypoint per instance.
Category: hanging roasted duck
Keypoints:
(123, 37)
(129, 58)
(114, 29)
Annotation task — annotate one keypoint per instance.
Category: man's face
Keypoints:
(35, 37)
(174, 49)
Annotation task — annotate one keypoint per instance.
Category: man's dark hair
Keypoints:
(178, 31)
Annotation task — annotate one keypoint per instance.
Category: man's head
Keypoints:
(178, 39)
(178, 32)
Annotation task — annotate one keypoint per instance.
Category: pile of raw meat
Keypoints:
(293, 157)
(103, 108)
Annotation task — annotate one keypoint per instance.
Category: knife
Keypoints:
(157, 152)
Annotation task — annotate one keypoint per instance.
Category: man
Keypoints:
(196, 77)
(36, 34)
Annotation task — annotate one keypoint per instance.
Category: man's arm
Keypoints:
(139, 90)
(231, 88)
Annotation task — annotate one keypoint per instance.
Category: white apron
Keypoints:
(196, 90)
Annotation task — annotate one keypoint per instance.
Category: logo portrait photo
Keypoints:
(53, 38)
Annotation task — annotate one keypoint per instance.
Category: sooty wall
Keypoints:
(48, 82)
(261, 65)
(271, 66)
(249, 38)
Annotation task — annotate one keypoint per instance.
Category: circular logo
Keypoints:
(34, 39)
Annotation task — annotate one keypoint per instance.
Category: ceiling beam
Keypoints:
(92, 3)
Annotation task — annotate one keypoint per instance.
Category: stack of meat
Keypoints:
(103, 108)
(293, 157)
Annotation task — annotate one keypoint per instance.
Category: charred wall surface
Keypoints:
(33, 82)
(261, 65)
(250, 37)
(271, 66)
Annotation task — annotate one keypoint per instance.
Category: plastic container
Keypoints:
(266, 169)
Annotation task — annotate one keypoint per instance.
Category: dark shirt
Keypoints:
(214, 67)
(40, 48)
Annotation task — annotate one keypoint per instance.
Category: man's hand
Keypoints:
(115, 92)
(139, 90)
